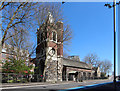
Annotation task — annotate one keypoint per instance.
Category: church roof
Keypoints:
(95, 68)
(75, 64)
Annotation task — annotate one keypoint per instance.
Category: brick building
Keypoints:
(49, 55)
(9, 52)
(74, 69)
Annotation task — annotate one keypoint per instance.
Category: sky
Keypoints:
(92, 25)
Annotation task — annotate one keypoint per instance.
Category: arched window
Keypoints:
(42, 51)
(54, 36)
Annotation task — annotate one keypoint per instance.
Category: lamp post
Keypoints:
(114, 17)
(114, 11)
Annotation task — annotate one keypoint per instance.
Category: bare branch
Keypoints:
(2, 6)
(5, 33)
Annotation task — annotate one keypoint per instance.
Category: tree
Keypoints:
(16, 66)
(106, 66)
(20, 43)
(103, 74)
(15, 15)
(92, 59)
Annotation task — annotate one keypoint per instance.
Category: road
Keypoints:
(56, 86)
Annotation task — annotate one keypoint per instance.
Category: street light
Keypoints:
(114, 17)
(63, 2)
(114, 11)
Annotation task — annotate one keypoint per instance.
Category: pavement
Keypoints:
(55, 86)
(5, 85)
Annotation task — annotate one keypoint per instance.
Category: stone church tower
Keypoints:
(49, 51)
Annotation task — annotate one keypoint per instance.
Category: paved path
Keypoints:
(48, 86)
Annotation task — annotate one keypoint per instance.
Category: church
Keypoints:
(49, 55)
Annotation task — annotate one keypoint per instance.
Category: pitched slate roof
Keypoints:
(74, 63)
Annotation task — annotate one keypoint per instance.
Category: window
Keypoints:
(3, 50)
(4, 55)
(10, 57)
(42, 51)
(27, 63)
(3, 61)
(54, 36)
(43, 36)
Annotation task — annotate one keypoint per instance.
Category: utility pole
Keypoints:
(114, 11)
(114, 17)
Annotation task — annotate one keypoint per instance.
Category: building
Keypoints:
(97, 72)
(49, 55)
(73, 69)
(9, 52)
(50, 49)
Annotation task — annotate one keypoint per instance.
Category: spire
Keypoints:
(50, 17)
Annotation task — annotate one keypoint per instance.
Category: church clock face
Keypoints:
(52, 52)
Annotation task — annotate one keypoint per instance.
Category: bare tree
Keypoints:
(14, 15)
(92, 59)
(65, 54)
(56, 11)
(29, 16)
(106, 66)
(20, 42)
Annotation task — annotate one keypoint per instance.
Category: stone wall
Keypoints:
(60, 68)
(51, 71)
(51, 66)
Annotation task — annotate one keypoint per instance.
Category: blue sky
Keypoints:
(92, 26)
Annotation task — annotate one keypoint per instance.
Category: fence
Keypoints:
(23, 78)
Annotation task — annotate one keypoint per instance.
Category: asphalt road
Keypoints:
(51, 87)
